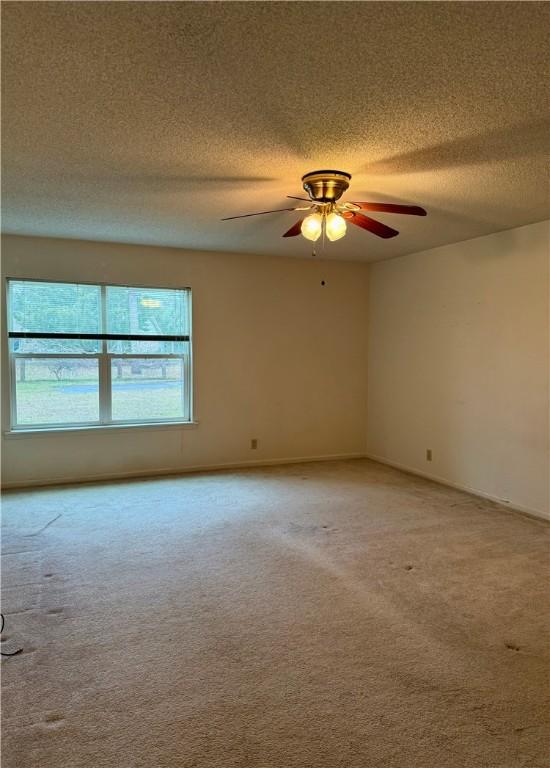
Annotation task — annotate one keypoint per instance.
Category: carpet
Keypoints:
(323, 615)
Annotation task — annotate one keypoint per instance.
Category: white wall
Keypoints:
(278, 357)
(458, 362)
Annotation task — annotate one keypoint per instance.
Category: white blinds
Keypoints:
(66, 317)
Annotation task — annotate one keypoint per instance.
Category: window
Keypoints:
(92, 355)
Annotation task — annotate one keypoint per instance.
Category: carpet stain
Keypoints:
(53, 719)
(310, 530)
(512, 646)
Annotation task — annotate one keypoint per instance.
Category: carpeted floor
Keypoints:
(323, 615)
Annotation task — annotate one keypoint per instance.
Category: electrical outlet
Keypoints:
(428, 454)
(254, 443)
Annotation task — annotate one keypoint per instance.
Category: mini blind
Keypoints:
(71, 311)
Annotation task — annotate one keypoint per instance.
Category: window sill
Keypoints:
(37, 432)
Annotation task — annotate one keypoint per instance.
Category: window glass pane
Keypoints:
(56, 390)
(150, 311)
(145, 389)
(56, 346)
(54, 308)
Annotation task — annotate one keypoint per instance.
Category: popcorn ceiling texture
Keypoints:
(330, 615)
(147, 122)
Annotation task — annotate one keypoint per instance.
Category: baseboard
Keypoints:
(106, 477)
(459, 486)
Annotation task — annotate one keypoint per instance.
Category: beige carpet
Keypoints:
(323, 615)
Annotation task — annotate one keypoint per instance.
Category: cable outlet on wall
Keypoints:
(254, 443)
(428, 454)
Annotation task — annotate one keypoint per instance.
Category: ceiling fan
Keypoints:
(327, 215)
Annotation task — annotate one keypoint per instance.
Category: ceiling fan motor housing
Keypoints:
(326, 186)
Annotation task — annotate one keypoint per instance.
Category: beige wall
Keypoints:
(458, 362)
(278, 357)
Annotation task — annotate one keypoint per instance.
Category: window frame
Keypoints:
(104, 361)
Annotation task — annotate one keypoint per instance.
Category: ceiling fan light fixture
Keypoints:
(335, 226)
(312, 226)
(324, 189)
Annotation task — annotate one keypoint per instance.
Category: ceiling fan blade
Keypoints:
(296, 229)
(376, 227)
(260, 213)
(292, 197)
(412, 210)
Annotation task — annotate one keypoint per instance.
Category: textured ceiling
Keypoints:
(147, 122)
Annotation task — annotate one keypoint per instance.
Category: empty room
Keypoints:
(275, 384)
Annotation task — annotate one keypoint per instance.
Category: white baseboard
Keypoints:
(459, 486)
(105, 476)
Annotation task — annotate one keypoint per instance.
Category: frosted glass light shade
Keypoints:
(335, 226)
(312, 226)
